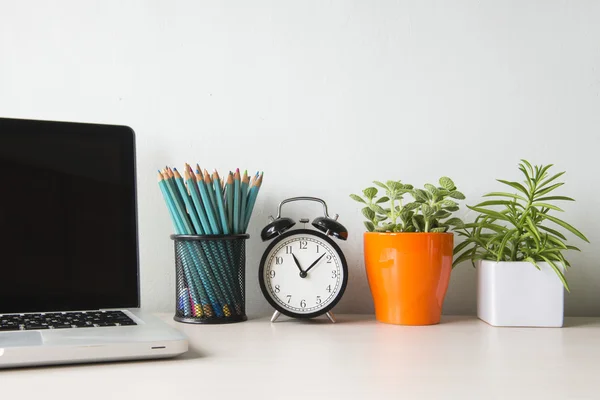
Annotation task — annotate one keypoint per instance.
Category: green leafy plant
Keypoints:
(522, 228)
(429, 211)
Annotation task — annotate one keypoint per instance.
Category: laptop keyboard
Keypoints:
(63, 320)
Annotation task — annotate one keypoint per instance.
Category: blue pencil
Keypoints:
(229, 200)
(219, 199)
(207, 204)
(244, 196)
(237, 202)
(188, 202)
(252, 195)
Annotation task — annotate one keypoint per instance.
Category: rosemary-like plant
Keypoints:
(520, 229)
(428, 212)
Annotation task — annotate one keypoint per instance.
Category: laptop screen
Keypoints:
(68, 236)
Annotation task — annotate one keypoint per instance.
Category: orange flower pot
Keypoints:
(408, 275)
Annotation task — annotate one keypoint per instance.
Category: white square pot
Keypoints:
(518, 294)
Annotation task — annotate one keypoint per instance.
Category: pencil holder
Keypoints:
(210, 278)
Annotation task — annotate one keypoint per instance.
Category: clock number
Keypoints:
(271, 274)
(289, 296)
(303, 245)
(328, 257)
(288, 249)
(329, 288)
(318, 299)
(334, 273)
(317, 248)
(277, 289)
(278, 260)
(303, 303)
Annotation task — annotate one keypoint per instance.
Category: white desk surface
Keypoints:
(357, 358)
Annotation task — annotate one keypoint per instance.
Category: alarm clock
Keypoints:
(303, 272)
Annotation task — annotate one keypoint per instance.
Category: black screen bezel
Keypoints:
(130, 295)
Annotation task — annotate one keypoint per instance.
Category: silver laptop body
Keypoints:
(69, 248)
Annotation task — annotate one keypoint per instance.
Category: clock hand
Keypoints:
(315, 263)
(298, 264)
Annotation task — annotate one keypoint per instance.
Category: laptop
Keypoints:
(69, 273)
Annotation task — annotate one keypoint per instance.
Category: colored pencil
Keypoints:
(252, 195)
(237, 202)
(229, 199)
(244, 197)
(219, 200)
(210, 213)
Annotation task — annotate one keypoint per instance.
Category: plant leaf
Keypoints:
(533, 229)
(439, 229)
(498, 203)
(568, 227)
(550, 206)
(557, 242)
(461, 245)
(448, 203)
(547, 181)
(504, 194)
(491, 213)
(552, 231)
(419, 222)
(569, 247)
(377, 209)
(393, 185)
(455, 194)
(432, 189)
(369, 225)
(441, 214)
(515, 185)
(528, 166)
(411, 206)
(357, 198)
(381, 185)
(555, 198)
(507, 236)
(426, 210)
(532, 261)
(558, 272)
(455, 222)
(420, 195)
(447, 183)
(370, 192)
(368, 213)
(547, 190)
(467, 255)
(492, 227)
(382, 199)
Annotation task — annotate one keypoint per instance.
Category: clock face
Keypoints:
(303, 273)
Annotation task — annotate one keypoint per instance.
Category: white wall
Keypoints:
(324, 96)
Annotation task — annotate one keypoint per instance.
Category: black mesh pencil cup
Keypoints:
(210, 278)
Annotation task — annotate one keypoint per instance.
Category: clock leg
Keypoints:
(276, 315)
(331, 316)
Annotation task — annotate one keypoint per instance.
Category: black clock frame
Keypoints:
(263, 260)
